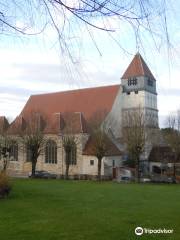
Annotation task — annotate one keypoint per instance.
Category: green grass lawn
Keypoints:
(75, 210)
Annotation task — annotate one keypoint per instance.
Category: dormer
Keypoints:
(21, 123)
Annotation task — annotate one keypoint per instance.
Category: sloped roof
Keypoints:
(4, 124)
(87, 101)
(61, 111)
(112, 149)
(72, 123)
(137, 67)
(53, 124)
(17, 125)
(162, 154)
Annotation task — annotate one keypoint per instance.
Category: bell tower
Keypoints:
(139, 90)
(136, 92)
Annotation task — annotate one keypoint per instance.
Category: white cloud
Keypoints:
(37, 72)
(32, 69)
(168, 104)
(11, 105)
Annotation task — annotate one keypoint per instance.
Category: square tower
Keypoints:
(139, 90)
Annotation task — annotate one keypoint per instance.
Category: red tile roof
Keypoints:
(163, 154)
(66, 111)
(53, 124)
(20, 124)
(87, 101)
(72, 123)
(137, 67)
(112, 149)
(4, 124)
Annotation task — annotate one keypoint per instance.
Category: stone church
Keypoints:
(137, 89)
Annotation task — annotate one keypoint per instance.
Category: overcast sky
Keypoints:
(33, 65)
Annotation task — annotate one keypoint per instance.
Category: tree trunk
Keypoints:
(174, 173)
(33, 168)
(67, 164)
(67, 171)
(5, 162)
(137, 170)
(99, 168)
(174, 170)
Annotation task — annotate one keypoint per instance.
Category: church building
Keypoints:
(75, 109)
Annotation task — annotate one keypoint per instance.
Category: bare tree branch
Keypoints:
(64, 15)
(172, 136)
(33, 138)
(135, 135)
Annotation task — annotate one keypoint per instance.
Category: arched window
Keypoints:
(13, 154)
(71, 156)
(51, 152)
(28, 153)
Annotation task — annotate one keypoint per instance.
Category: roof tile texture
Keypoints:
(4, 124)
(112, 149)
(88, 101)
(137, 67)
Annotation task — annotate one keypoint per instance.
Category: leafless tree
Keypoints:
(5, 143)
(100, 147)
(5, 148)
(100, 141)
(70, 140)
(68, 17)
(5, 151)
(134, 135)
(69, 145)
(33, 138)
(172, 137)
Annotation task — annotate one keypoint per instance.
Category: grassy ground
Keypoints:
(73, 210)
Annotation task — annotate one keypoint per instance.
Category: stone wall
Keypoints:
(22, 167)
(107, 165)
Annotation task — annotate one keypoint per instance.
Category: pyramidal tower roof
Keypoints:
(137, 67)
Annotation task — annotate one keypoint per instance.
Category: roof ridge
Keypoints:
(140, 59)
(76, 90)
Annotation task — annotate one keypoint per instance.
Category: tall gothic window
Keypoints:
(28, 154)
(51, 152)
(71, 156)
(13, 154)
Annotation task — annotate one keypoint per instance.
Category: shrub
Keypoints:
(5, 186)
